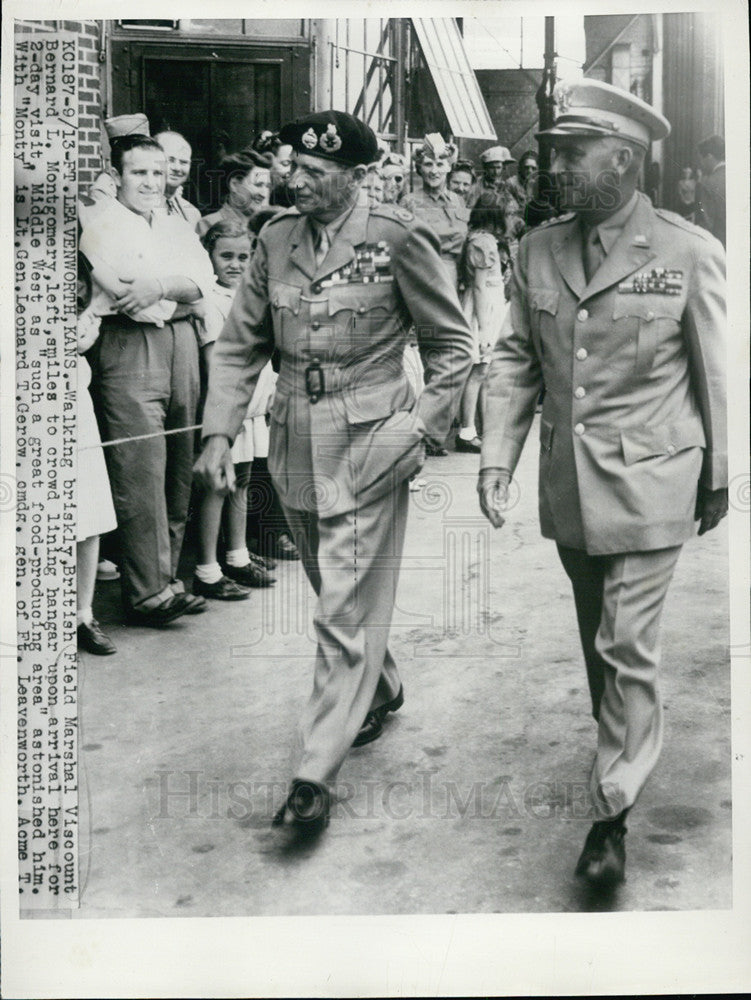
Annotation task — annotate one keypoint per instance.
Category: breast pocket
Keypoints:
(642, 322)
(284, 300)
(359, 315)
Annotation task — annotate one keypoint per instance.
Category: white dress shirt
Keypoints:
(120, 244)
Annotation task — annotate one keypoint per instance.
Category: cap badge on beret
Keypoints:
(329, 140)
(309, 139)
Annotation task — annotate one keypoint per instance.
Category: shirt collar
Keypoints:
(130, 214)
(333, 227)
(611, 228)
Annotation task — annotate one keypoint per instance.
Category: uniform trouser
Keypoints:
(147, 381)
(619, 601)
(352, 562)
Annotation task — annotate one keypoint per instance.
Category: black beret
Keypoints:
(332, 135)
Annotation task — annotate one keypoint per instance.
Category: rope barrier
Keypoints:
(141, 437)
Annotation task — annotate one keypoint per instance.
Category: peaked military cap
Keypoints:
(592, 108)
(332, 135)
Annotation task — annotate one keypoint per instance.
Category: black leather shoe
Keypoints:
(372, 727)
(161, 615)
(194, 604)
(433, 451)
(253, 574)
(603, 861)
(223, 590)
(93, 640)
(267, 561)
(285, 548)
(306, 811)
(475, 445)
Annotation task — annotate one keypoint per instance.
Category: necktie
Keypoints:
(593, 254)
(322, 245)
(174, 207)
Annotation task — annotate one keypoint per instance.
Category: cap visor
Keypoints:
(572, 131)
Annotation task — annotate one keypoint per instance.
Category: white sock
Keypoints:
(238, 557)
(210, 573)
(468, 433)
(85, 616)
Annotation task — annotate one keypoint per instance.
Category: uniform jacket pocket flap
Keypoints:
(546, 435)
(647, 307)
(668, 439)
(366, 403)
(544, 300)
(283, 296)
(361, 298)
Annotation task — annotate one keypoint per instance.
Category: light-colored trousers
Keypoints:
(619, 601)
(352, 562)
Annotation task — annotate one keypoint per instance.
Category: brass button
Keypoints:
(671, 449)
(316, 289)
(650, 315)
(580, 392)
(361, 309)
(582, 315)
(582, 354)
(315, 325)
(579, 430)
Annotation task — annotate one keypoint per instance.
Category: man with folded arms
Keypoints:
(150, 275)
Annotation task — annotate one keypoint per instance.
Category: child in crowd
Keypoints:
(228, 244)
(485, 259)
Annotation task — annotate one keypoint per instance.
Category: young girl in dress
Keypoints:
(485, 269)
(228, 243)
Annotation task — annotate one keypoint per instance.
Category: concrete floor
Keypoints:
(474, 800)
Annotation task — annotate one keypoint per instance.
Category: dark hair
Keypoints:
(713, 145)
(463, 166)
(84, 291)
(262, 216)
(123, 144)
(225, 229)
(240, 165)
(489, 212)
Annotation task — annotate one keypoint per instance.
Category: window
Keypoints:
(363, 67)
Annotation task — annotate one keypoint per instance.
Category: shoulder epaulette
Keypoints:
(554, 221)
(396, 212)
(288, 213)
(677, 220)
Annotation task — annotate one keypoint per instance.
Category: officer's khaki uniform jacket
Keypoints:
(365, 433)
(635, 405)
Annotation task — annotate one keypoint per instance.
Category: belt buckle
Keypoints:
(314, 381)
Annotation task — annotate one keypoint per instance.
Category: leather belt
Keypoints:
(319, 378)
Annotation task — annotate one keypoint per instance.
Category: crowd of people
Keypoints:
(477, 210)
(369, 316)
(148, 384)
